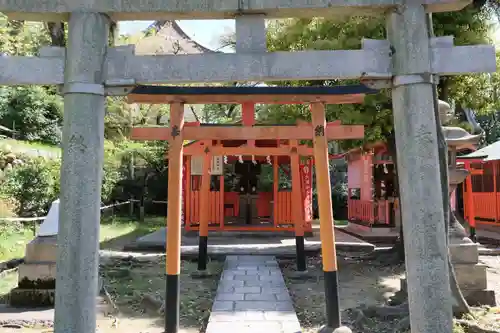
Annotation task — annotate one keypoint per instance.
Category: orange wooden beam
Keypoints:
(240, 99)
(335, 132)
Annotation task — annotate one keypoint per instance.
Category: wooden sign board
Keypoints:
(215, 169)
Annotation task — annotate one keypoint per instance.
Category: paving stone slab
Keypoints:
(252, 297)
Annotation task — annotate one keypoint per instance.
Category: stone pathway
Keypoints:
(252, 297)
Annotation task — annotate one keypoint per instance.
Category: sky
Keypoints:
(208, 32)
(204, 32)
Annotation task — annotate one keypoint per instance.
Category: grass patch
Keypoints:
(114, 234)
(18, 145)
(117, 232)
(8, 281)
(137, 286)
(13, 240)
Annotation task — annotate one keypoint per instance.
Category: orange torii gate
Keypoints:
(249, 139)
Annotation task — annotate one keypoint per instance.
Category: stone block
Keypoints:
(37, 275)
(272, 278)
(42, 249)
(230, 297)
(223, 306)
(480, 297)
(255, 306)
(247, 290)
(469, 277)
(231, 283)
(474, 297)
(464, 253)
(225, 289)
(260, 297)
(473, 277)
(247, 277)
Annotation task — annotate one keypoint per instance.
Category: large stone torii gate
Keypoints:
(88, 70)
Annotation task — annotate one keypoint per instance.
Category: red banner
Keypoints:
(306, 182)
(183, 192)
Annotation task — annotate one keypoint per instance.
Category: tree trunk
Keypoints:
(444, 88)
(56, 32)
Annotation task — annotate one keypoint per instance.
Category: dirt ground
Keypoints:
(135, 289)
(129, 280)
(361, 283)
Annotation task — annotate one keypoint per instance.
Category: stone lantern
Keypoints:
(471, 275)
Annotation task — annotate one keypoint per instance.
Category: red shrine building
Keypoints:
(260, 184)
(372, 194)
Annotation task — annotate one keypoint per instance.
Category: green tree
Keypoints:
(18, 38)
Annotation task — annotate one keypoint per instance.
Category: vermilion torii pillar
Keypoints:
(89, 70)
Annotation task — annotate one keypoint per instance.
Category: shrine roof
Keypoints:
(348, 94)
(355, 89)
(488, 153)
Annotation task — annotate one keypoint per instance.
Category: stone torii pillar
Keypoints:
(426, 250)
(89, 70)
(81, 173)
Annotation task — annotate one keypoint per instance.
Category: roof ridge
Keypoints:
(159, 25)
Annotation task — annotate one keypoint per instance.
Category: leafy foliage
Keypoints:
(469, 26)
(33, 112)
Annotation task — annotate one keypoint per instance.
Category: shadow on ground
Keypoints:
(360, 283)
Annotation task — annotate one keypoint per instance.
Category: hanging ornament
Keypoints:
(253, 160)
(240, 158)
(225, 159)
(268, 159)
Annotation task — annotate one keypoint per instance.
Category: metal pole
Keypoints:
(81, 174)
(429, 293)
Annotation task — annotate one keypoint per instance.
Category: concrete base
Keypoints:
(229, 244)
(42, 249)
(471, 275)
(37, 275)
(342, 329)
(376, 235)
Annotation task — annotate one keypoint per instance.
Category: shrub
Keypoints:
(32, 186)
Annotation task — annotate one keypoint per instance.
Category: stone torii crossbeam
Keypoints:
(88, 70)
